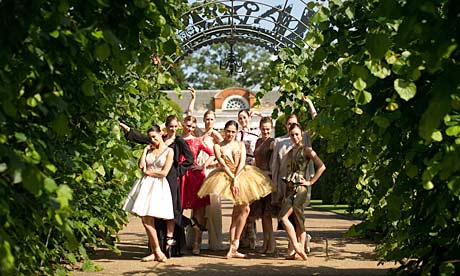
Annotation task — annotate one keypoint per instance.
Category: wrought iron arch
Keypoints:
(272, 24)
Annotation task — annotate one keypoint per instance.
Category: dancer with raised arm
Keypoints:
(297, 180)
(192, 180)
(150, 197)
(281, 146)
(213, 211)
(172, 239)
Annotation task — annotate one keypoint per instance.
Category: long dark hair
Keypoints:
(154, 128)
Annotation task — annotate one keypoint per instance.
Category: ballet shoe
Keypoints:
(196, 249)
(307, 244)
(170, 242)
(149, 258)
(196, 225)
(233, 251)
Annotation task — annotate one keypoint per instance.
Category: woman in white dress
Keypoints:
(150, 197)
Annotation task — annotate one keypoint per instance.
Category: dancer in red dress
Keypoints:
(192, 180)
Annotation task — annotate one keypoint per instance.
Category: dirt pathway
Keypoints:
(344, 256)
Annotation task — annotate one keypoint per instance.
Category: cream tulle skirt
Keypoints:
(253, 183)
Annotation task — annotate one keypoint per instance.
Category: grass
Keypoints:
(340, 209)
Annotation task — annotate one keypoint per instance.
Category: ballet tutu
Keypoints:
(253, 184)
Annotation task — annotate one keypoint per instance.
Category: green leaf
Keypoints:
(453, 131)
(363, 97)
(50, 185)
(405, 89)
(320, 16)
(359, 84)
(428, 185)
(61, 125)
(378, 69)
(378, 45)
(454, 186)
(21, 137)
(63, 195)
(436, 136)
(3, 167)
(102, 51)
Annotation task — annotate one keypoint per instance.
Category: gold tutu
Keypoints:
(253, 183)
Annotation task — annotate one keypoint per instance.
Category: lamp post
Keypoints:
(231, 62)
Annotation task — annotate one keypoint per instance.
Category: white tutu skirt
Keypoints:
(150, 196)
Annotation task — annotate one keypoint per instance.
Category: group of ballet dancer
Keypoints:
(264, 177)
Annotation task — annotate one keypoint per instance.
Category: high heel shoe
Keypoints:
(195, 224)
(233, 251)
(170, 242)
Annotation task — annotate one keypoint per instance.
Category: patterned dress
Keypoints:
(191, 182)
(296, 194)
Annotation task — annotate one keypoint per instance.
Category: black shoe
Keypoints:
(196, 224)
(170, 242)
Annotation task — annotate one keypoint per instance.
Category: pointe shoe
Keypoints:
(233, 251)
(169, 244)
(290, 255)
(307, 244)
(160, 256)
(196, 225)
(196, 249)
(149, 258)
(299, 251)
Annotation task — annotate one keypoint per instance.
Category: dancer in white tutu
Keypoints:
(150, 197)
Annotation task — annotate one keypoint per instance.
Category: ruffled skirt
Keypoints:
(150, 196)
(253, 183)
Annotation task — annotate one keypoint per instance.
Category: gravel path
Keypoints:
(343, 256)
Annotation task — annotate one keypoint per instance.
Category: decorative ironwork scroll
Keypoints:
(272, 24)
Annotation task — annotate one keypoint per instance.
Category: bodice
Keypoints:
(232, 161)
(156, 163)
(263, 153)
(297, 165)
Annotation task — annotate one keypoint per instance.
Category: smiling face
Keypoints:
(189, 127)
(155, 138)
(266, 129)
(296, 135)
(243, 119)
(230, 133)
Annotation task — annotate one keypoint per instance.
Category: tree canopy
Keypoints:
(385, 77)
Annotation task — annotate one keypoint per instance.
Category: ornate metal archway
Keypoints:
(271, 24)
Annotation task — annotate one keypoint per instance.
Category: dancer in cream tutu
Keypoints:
(236, 181)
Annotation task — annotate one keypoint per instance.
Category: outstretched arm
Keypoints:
(133, 135)
(311, 106)
(191, 105)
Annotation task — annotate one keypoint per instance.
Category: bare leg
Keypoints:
(291, 232)
(157, 255)
(239, 216)
(267, 228)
